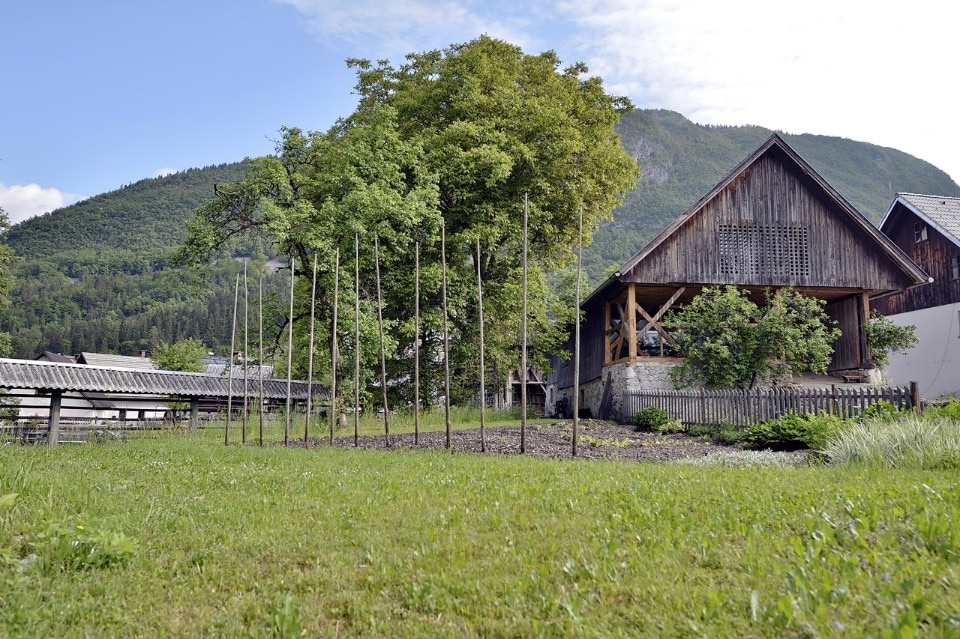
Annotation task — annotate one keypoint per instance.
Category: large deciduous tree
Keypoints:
(731, 342)
(7, 259)
(459, 135)
(185, 355)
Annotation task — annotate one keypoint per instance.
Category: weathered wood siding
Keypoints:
(592, 339)
(933, 255)
(846, 350)
(770, 227)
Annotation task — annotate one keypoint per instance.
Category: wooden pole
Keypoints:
(53, 434)
(233, 342)
(576, 340)
(356, 343)
(246, 350)
(194, 414)
(383, 348)
(446, 335)
(523, 330)
(286, 426)
(260, 354)
(416, 348)
(483, 387)
(333, 347)
(313, 306)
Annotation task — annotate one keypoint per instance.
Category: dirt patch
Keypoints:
(597, 440)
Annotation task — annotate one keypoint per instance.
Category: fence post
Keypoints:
(703, 406)
(54, 433)
(915, 396)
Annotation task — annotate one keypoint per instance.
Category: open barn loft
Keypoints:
(773, 222)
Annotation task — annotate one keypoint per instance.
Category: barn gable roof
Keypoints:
(775, 145)
(939, 211)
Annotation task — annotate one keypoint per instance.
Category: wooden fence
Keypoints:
(745, 408)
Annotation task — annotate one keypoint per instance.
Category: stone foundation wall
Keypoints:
(647, 376)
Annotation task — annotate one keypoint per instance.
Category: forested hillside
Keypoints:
(97, 275)
(680, 161)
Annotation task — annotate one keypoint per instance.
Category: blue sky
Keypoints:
(101, 93)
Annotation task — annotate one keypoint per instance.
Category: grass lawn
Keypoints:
(180, 536)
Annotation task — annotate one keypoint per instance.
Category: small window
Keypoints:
(919, 232)
(955, 267)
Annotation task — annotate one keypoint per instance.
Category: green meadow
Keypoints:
(178, 535)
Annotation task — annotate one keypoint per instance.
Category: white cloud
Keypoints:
(373, 28)
(23, 201)
(872, 71)
(859, 69)
(164, 172)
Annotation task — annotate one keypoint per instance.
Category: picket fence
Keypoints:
(744, 408)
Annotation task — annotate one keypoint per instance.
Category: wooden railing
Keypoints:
(745, 408)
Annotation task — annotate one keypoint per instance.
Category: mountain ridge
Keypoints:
(96, 275)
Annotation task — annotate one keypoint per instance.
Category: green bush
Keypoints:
(794, 431)
(651, 418)
(720, 434)
(671, 426)
(950, 410)
(882, 411)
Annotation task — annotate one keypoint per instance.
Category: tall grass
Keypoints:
(910, 442)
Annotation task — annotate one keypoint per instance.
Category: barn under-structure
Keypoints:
(772, 222)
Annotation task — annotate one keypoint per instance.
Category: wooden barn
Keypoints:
(927, 228)
(772, 222)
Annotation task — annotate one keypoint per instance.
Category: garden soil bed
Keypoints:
(597, 440)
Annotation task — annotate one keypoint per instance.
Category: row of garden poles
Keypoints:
(246, 358)
(334, 350)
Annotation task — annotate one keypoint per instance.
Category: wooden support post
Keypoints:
(915, 396)
(194, 414)
(606, 333)
(863, 316)
(630, 320)
(54, 433)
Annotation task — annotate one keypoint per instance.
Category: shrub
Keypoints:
(720, 434)
(882, 411)
(950, 410)
(651, 418)
(671, 426)
(794, 431)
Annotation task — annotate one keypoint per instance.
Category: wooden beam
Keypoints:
(629, 320)
(54, 434)
(863, 316)
(606, 333)
(654, 321)
(195, 413)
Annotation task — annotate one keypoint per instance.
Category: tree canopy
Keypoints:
(731, 342)
(185, 355)
(7, 260)
(460, 137)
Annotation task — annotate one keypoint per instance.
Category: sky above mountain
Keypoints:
(104, 93)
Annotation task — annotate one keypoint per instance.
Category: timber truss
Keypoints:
(634, 329)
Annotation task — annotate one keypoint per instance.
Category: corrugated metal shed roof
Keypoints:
(21, 373)
(253, 372)
(118, 361)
